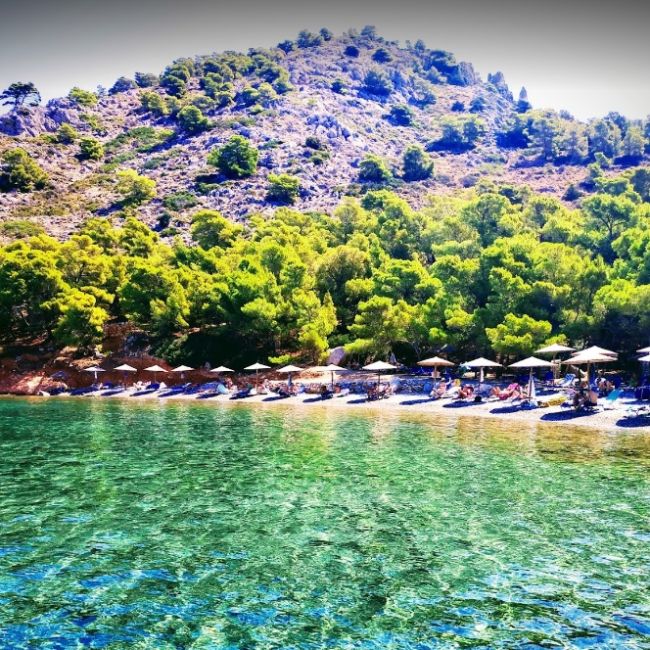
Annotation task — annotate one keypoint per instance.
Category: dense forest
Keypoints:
(496, 268)
(228, 210)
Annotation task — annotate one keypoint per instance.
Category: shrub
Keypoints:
(339, 86)
(308, 39)
(287, 46)
(19, 171)
(20, 229)
(248, 96)
(351, 51)
(122, 85)
(135, 189)
(459, 133)
(422, 94)
(313, 142)
(417, 165)
(236, 159)
(146, 79)
(374, 170)
(458, 107)
(376, 82)
(381, 55)
(326, 34)
(153, 103)
(66, 134)
(400, 115)
(283, 188)
(192, 120)
(180, 201)
(90, 149)
(175, 86)
(82, 97)
(477, 105)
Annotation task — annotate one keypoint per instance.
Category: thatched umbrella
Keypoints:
(182, 370)
(257, 367)
(126, 368)
(435, 363)
(155, 370)
(331, 368)
(94, 370)
(587, 358)
(289, 370)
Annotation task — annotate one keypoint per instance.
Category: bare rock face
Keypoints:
(25, 121)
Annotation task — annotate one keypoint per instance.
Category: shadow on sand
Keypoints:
(563, 416)
(412, 402)
(634, 422)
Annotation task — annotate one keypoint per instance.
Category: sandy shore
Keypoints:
(602, 419)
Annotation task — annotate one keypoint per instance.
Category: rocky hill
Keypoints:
(313, 109)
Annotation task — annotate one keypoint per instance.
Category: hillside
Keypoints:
(311, 111)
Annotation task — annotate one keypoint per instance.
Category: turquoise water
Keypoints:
(203, 526)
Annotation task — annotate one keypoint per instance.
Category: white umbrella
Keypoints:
(594, 349)
(125, 368)
(155, 369)
(257, 367)
(587, 358)
(222, 369)
(378, 366)
(435, 362)
(645, 359)
(182, 370)
(554, 349)
(531, 362)
(482, 363)
(644, 350)
(289, 370)
(94, 370)
(331, 368)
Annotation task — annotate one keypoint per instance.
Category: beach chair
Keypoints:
(567, 380)
(611, 400)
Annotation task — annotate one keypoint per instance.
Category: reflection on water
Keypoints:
(205, 526)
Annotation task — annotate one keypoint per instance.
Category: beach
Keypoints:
(614, 419)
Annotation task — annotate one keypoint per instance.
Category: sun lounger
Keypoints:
(612, 399)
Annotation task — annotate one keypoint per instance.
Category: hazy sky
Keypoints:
(587, 57)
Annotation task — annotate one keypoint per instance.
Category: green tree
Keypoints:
(135, 189)
(210, 229)
(192, 120)
(81, 322)
(377, 82)
(21, 172)
(152, 102)
(283, 189)
(122, 85)
(518, 335)
(416, 164)
(20, 94)
(236, 159)
(90, 149)
(82, 97)
(400, 115)
(372, 169)
(67, 134)
(146, 79)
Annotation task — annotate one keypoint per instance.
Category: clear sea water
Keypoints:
(203, 526)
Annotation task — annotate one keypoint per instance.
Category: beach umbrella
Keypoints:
(594, 349)
(644, 350)
(587, 358)
(482, 363)
(378, 366)
(222, 369)
(182, 370)
(555, 349)
(126, 368)
(155, 369)
(435, 363)
(94, 370)
(257, 367)
(331, 368)
(645, 359)
(289, 370)
(531, 363)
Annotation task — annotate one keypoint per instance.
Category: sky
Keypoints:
(588, 57)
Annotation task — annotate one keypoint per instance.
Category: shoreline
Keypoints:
(610, 420)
